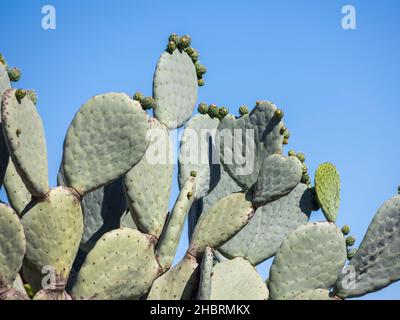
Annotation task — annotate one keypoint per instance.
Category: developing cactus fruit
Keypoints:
(107, 231)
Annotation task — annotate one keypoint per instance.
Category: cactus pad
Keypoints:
(148, 184)
(17, 194)
(278, 176)
(263, 235)
(327, 188)
(198, 153)
(245, 142)
(311, 257)
(25, 138)
(53, 227)
(237, 280)
(169, 240)
(12, 246)
(377, 261)
(121, 266)
(104, 141)
(175, 88)
(178, 283)
(221, 222)
(226, 186)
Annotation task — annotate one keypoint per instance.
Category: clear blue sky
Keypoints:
(339, 88)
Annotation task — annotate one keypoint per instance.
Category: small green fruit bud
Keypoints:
(350, 240)
(222, 112)
(20, 94)
(171, 47)
(346, 230)
(285, 141)
(193, 54)
(291, 153)
(283, 130)
(18, 132)
(202, 108)
(147, 103)
(305, 168)
(14, 74)
(305, 178)
(174, 38)
(213, 111)
(200, 69)
(243, 110)
(301, 157)
(138, 96)
(200, 82)
(32, 96)
(278, 114)
(286, 134)
(351, 253)
(189, 194)
(193, 173)
(184, 41)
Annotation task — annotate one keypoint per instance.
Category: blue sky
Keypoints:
(339, 88)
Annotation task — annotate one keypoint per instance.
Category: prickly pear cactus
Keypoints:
(278, 176)
(53, 227)
(115, 128)
(327, 188)
(175, 86)
(221, 222)
(148, 184)
(237, 279)
(177, 283)
(122, 265)
(24, 135)
(311, 257)
(376, 264)
(252, 137)
(271, 224)
(108, 231)
(12, 247)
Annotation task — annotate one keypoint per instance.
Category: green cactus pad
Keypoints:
(178, 283)
(104, 141)
(174, 88)
(226, 186)
(311, 257)
(197, 150)
(376, 264)
(278, 176)
(122, 266)
(316, 294)
(237, 280)
(148, 184)
(53, 227)
(17, 194)
(206, 269)
(169, 240)
(242, 153)
(5, 83)
(327, 188)
(221, 222)
(271, 224)
(25, 138)
(12, 246)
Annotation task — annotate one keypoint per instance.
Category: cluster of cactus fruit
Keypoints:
(105, 232)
